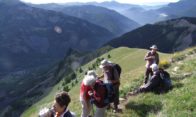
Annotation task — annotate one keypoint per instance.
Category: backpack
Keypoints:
(118, 68)
(166, 80)
(108, 95)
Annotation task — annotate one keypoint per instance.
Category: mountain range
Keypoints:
(101, 16)
(43, 44)
(181, 8)
(173, 10)
(170, 36)
(30, 37)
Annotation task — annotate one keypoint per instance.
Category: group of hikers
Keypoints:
(102, 91)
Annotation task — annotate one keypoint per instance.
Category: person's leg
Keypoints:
(85, 109)
(89, 108)
(151, 85)
(150, 72)
(100, 112)
(116, 98)
(146, 75)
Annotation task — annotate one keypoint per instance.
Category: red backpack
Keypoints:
(103, 94)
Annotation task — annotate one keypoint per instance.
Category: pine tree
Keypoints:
(80, 70)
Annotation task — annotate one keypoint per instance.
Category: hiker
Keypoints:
(111, 77)
(84, 97)
(155, 81)
(98, 95)
(61, 103)
(159, 82)
(150, 58)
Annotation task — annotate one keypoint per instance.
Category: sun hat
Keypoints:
(154, 47)
(105, 63)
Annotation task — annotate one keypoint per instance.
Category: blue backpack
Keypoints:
(165, 77)
(109, 98)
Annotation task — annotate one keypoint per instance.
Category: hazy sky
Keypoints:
(122, 1)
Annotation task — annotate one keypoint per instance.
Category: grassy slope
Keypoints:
(132, 64)
(179, 102)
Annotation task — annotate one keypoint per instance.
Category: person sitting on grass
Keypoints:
(153, 84)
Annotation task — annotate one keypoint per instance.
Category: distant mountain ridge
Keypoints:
(109, 19)
(31, 36)
(181, 8)
(143, 16)
(169, 36)
(101, 16)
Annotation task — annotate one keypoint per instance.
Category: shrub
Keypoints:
(178, 57)
(109, 56)
(63, 84)
(72, 84)
(80, 70)
(76, 81)
(66, 88)
(164, 64)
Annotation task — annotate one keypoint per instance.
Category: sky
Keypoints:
(141, 2)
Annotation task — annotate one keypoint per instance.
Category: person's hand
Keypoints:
(90, 93)
(100, 77)
(143, 86)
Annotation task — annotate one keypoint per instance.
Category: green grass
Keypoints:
(178, 102)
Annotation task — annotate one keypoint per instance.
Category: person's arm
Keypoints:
(147, 57)
(100, 77)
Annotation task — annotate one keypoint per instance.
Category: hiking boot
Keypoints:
(117, 111)
(108, 107)
(132, 93)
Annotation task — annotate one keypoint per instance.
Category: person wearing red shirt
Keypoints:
(84, 96)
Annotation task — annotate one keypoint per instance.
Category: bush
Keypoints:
(80, 70)
(67, 79)
(164, 64)
(90, 68)
(109, 56)
(66, 88)
(76, 81)
(72, 84)
(73, 76)
(63, 84)
(98, 60)
(178, 57)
